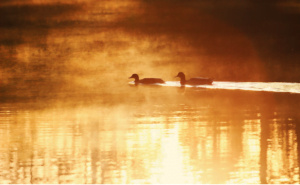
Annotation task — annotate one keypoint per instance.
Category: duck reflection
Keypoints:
(181, 89)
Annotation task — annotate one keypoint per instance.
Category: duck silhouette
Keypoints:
(146, 80)
(194, 81)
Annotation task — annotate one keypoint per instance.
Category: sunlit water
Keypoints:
(157, 135)
(251, 86)
(68, 114)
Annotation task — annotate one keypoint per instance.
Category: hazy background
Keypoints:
(68, 113)
(95, 46)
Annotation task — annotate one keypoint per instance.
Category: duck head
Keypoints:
(135, 76)
(182, 78)
(180, 75)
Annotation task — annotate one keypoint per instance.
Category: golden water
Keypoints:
(156, 135)
(68, 114)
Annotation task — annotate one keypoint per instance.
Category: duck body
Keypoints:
(151, 80)
(194, 81)
(146, 80)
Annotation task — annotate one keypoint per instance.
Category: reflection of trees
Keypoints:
(219, 137)
(279, 140)
(263, 149)
(297, 129)
(225, 123)
(214, 133)
(52, 147)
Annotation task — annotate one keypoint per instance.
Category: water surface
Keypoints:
(156, 135)
(250, 86)
(68, 114)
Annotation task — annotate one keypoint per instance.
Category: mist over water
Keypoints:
(69, 113)
(76, 43)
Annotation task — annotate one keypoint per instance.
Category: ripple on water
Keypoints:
(249, 86)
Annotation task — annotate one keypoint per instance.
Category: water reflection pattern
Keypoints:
(179, 142)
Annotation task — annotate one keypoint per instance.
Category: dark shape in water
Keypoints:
(194, 81)
(146, 80)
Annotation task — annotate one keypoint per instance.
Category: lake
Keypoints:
(156, 134)
(69, 113)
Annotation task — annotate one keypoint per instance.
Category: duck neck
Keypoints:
(182, 80)
(136, 79)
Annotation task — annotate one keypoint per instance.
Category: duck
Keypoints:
(194, 81)
(146, 80)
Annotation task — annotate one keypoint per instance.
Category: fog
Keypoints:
(95, 46)
(69, 114)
